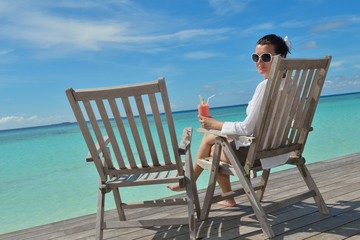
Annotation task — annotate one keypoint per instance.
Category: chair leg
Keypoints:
(189, 173)
(192, 195)
(100, 213)
(312, 186)
(118, 204)
(191, 217)
(263, 182)
(250, 193)
(212, 183)
(196, 200)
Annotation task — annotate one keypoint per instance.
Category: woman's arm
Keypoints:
(210, 123)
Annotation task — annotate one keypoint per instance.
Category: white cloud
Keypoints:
(5, 57)
(20, 121)
(228, 7)
(137, 29)
(342, 84)
(258, 28)
(181, 36)
(336, 22)
(17, 119)
(294, 24)
(5, 52)
(326, 26)
(201, 55)
(310, 45)
(336, 64)
(47, 31)
(37, 25)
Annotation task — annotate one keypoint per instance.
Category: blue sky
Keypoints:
(200, 47)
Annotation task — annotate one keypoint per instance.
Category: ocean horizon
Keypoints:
(45, 178)
(174, 112)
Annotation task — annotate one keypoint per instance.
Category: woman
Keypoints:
(266, 48)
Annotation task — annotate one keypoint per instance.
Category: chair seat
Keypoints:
(163, 177)
(227, 168)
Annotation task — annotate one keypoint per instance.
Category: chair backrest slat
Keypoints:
(160, 128)
(124, 138)
(287, 95)
(278, 112)
(92, 146)
(146, 128)
(134, 130)
(300, 108)
(110, 132)
(311, 103)
(299, 79)
(98, 134)
(268, 114)
(170, 123)
(290, 105)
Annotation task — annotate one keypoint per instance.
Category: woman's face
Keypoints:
(264, 67)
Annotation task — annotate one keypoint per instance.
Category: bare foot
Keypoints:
(175, 188)
(227, 203)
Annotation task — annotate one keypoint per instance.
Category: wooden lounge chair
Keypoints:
(291, 96)
(122, 127)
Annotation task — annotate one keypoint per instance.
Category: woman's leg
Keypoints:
(224, 180)
(205, 150)
(225, 185)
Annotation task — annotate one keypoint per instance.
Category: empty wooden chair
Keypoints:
(131, 138)
(291, 96)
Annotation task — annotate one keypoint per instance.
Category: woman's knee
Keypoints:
(209, 139)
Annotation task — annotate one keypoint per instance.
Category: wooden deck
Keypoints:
(338, 180)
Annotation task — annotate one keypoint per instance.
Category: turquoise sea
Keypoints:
(44, 177)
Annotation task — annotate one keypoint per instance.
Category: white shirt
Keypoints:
(247, 127)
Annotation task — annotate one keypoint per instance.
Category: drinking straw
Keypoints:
(207, 102)
(201, 99)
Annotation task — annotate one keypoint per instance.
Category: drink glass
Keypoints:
(204, 110)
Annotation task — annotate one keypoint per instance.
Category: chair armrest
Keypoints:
(89, 157)
(211, 131)
(246, 140)
(185, 140)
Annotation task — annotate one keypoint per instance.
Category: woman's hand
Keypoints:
(210, 123)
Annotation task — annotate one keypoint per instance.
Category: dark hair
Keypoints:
(279, 44)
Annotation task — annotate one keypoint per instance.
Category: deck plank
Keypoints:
(337, 179)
